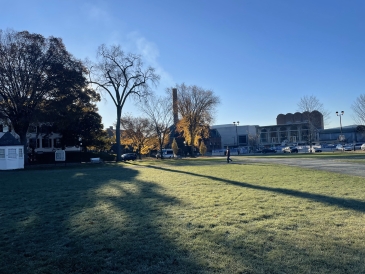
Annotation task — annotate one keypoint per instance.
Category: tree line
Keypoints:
(41, 83)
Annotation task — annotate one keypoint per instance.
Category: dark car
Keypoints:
(129, 157)
(290, 150)
(268, 150)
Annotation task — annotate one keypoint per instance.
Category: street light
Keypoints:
(80, 142)
(341, 138)
(236, 125)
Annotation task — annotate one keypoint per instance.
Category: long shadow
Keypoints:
(341, 202)
(87, 224)
(102, 221)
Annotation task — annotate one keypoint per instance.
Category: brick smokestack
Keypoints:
(174, 106)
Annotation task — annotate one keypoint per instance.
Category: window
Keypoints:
(263, 136)
(57, 143)
(2, 153)
(242, 139)
(12, 153)
(20, 153)
(46, 142)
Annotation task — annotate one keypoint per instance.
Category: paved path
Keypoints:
(327, 165)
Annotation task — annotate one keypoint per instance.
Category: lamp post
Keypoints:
(185, 148)
(80, 142)
(236, 125)
(341, 138)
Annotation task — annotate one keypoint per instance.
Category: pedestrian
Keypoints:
(228, 153)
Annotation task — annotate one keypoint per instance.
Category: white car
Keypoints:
(363, 147)
(315, 149)
(339, 147)
(345, 147)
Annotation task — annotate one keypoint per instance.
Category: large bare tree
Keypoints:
(314, 114)
(33, 69)
(358, 108)
(158, 109)
(196, 107)
(120, 75)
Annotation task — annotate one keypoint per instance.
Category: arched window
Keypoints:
(263, 135)
(273, 135)
(294, 134)
(283, 134)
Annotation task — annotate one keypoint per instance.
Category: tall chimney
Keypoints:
(174, 106)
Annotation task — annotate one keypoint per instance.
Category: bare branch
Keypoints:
(121, 76)
(358, 108)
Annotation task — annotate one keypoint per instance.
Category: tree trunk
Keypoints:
(117, 135)
(23, 141)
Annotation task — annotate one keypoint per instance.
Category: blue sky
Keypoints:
(259, 56)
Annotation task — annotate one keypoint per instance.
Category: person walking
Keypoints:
(228, 153)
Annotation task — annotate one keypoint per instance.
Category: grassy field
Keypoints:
(181, 216)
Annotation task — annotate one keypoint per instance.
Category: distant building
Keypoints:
(292, 128)
(289, 129)
(234, 136)
(352, 134)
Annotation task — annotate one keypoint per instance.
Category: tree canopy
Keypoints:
(138, 134)
(33, 69)
(196, 107)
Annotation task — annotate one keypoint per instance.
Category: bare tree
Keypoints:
(314, 114)
(120, 75)
(196, 106)
(159, 112)
(358, 108)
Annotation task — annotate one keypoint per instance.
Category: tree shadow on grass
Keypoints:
(333, 201)
(260, 250)
(88, 221)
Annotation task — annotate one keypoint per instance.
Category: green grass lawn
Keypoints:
(181, 216)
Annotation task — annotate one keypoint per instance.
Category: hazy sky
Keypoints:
(259, 56)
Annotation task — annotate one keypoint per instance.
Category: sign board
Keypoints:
(60, 156)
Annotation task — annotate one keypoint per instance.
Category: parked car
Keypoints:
(344, 147)
(348, 147)
(290, 150)
(268, 150)
(167, 153)
(129, 157)
(314, 149)
(363, 147)
(330, 146)
(357, 146)
(339, 147)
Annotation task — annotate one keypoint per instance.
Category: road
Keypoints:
(326, 164)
